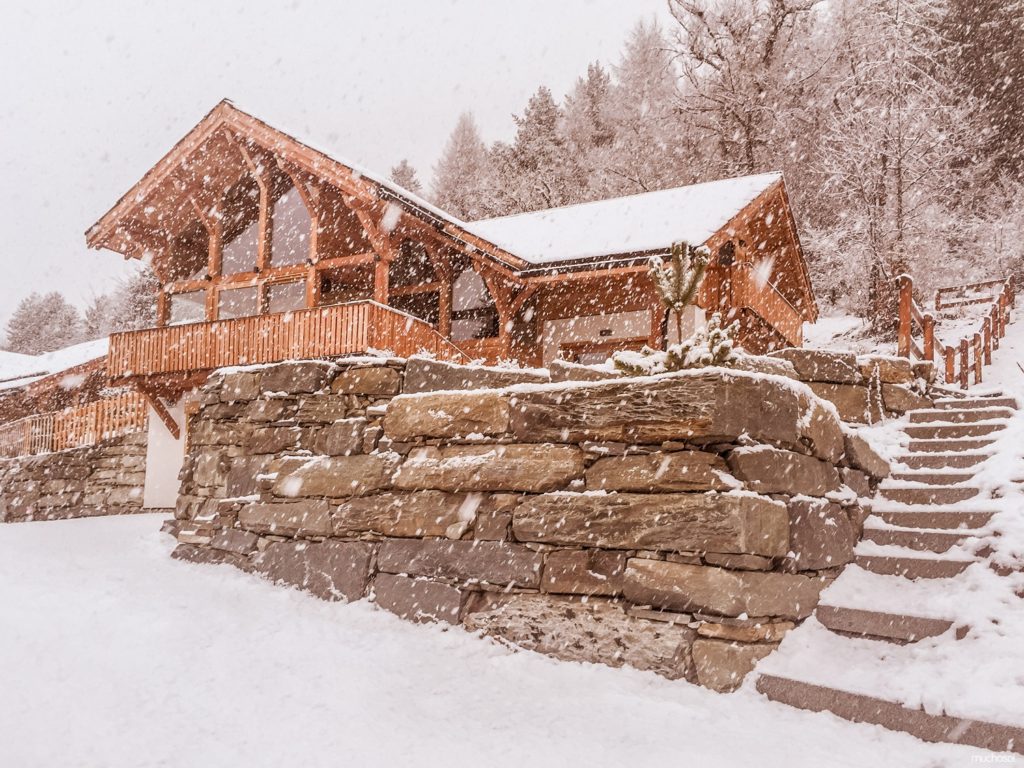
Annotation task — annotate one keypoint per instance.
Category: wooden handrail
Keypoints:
(980, 343)
(74, 427)
(322, 332)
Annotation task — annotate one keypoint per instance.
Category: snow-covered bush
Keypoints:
(709, 346)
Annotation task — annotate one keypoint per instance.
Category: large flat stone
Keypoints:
(821, 534)
(854, 402)
(773, 470)
(372, 381)
(495, 562)
(726, 523)
(702, 406)
(584, 572)
(264, 440)
(454, 414)
(343, 438)
(595, 631)
(242, 477)
(900, 399)
(822, 365)
(418, 600)
(705, 589)
(676, 471)
(887, 369)
(234, 540)
(426, 375)
(336, 476)
(331, 570)
(240, 386)
(424, 513)
(529, 467)
(309, 517)
(300, 377)
(722, 665)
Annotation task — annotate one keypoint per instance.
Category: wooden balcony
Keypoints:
(322, 332)
(76, 427)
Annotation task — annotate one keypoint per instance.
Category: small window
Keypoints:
(474, 315)
(188, 307)
(238, 302)
(286, 297)
(290, 233)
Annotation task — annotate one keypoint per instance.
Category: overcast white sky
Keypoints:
(94, 93)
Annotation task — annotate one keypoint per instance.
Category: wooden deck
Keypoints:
(73, 427)
(333, 331)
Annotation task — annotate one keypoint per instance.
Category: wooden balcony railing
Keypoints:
(343, 329)
(965, 361)
(75, 427)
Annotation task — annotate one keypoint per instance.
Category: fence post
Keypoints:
(1010, 294)
(986, 334)
(906, 300)
(950, 365)
(929, 337)
(994, 319)
(965, 364)
(977, 357)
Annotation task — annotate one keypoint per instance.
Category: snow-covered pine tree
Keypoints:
(404, 175)
(461, 175)
(43, 323)
(677, 281)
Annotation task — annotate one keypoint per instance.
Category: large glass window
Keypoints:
(188, 307)
(286, 297)
(474, 315)
(241, 228)
(241, 253)
(292, 227)
(238, 302)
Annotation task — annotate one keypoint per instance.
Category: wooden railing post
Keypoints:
(986, 336)
(929, 337)
(950, 354)
(994, 319)
(976, 344)
(964, 363)
(906, 299)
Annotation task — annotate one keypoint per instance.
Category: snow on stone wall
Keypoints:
(680, 524)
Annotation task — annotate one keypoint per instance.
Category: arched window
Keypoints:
(474, 315)
(241, 228)
(292, 225)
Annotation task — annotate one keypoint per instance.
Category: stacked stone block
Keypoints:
(103, 479)
(680, 524)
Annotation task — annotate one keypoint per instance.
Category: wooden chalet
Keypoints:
(267, 249)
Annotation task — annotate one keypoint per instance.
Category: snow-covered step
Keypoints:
(913, 566)
(954, 431)
(861, 708)
(950, 416)
(891, 627)
(933, 478)
(947, 445)
(949, 519)
(942, 494)
(941, 460)
(957, 404)
(922, 540)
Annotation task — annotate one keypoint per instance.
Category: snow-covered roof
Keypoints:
(633, 224)
(20, 370)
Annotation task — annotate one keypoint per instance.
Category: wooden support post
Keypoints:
(976, 343)
(986, 336)
(906, 285)
(965, 363)
(163, 308)
(994, 319)
(161, 411)
(950, 355)
(929, 337)
(657, 338)
(444, 308)
(380, 280)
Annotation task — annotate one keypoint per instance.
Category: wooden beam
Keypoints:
(161, 410)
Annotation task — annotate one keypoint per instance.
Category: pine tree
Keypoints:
(461, 175)
(678, 281)
(43, 323)
(404, 175)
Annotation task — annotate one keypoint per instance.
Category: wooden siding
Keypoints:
(76, 427)
(344, 329)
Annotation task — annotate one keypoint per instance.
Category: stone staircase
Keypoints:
(920, 520)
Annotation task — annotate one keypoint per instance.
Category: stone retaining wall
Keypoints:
(104, 479)
(680, 524)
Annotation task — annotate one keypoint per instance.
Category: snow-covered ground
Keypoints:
(112, 654)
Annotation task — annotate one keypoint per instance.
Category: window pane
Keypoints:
(285, 297)
(291, 230)
(188, 307)
(470, 292)
(238, 302)
(240, 254)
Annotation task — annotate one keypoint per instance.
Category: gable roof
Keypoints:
(21, 370)
(634, 224)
